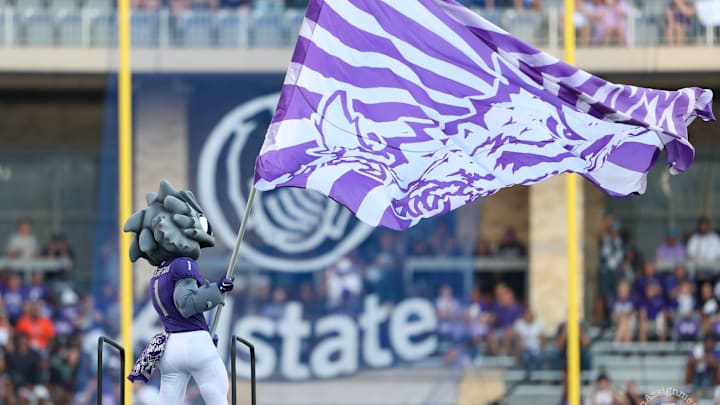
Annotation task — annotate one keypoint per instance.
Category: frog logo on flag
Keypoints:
(289, 229)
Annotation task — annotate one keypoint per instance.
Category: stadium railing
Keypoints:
(96, 27)
(28, 266)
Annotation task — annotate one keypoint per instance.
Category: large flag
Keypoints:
(407, 109)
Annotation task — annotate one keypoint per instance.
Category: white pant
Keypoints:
(192, 354)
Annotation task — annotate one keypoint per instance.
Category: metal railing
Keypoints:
(243, 28)
(233, 369)
(102, 340)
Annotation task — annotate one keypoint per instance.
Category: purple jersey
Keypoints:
(505, 316)
(641, 284)
(162, 288)
(13, 300)
(34, 292)
(653, 306)
(621, 307)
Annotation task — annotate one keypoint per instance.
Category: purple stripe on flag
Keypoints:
(276, 163)
(368, 77)
(634, 156)
(364, 41)
(302, 103)
(388, 112)
(351, 188)
(519, 160)
(429, 42)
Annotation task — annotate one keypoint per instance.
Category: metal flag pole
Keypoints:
(235, 254)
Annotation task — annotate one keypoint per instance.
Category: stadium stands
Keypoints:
(271, 27)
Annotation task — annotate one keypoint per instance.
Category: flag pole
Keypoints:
(125, 184)
(572, 325)
(235, 254)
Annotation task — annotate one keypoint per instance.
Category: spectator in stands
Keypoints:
(38, 328)
(622, 311)
(603, 393)
(583, 20)
(702, 364)
(6, 331)
(530, 342)
(443, 242)
(312, 306)
(505, 311)
(23, 244)
(7, 390)
(13, 298)
(58, 247)
(678, 16)
(387, 269)
(517, 4)
(704, 244)
(649, 276)
(36, 290)
(612, 21)
(709, 309)
(233, 4)
(482, 248)
(447, 308)
(510, 246)
(634, 397)
(652, 313)
(558, 354)
(479, 318)
(300, 4)
(611, 256)
(673, 281)
(269, 5)
(24, 367)
(671, 250)
(687, 324)
(276, 309)
(344, 287)
(631, 265)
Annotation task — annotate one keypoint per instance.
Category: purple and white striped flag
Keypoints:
(402, 110)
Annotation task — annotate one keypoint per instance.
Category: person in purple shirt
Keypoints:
(13, 298)
(673, 281)
(36, 290)
(652, 313)
(169, 234)
(640, 286)
(505, 311)
(672, 250)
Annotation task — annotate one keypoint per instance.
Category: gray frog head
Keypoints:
(173, 225)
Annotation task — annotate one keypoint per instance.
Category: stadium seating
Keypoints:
(63, 4)
(195, 29)
(103, 30)
(38, 28)
(264, 31)
(145, 29)
(69, 28)
(232, 29)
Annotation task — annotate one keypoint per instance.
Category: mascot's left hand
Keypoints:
(226, 284)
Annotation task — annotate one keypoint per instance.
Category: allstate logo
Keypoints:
(289, 229)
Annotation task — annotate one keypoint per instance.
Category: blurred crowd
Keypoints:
(598, 22)
(48, 328)
(641, 302)
(46, 348)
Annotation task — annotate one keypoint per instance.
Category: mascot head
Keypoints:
(173, 225)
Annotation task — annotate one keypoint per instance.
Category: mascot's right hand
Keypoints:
(225, 285)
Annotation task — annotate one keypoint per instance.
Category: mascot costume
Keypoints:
(169, 234)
